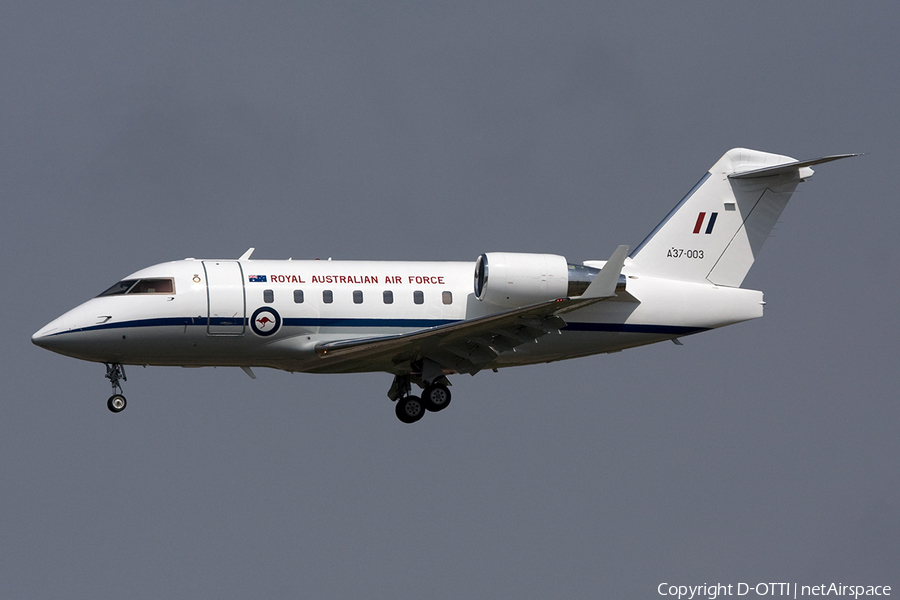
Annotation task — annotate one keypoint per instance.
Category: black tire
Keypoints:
(410, 409)
(436, 397)
(116, 403)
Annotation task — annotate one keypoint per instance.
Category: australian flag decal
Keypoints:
(257, 279)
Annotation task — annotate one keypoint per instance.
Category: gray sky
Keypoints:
(132, 134)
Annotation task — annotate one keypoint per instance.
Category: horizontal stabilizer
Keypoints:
(787, 168)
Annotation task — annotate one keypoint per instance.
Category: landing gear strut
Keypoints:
(115, 372)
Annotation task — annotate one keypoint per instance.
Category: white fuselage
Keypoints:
(272, 313)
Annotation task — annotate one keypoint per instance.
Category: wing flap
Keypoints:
(472, 343)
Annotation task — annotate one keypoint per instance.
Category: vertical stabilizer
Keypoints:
(716, 231)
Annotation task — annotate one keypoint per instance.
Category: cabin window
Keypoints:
(327, 296)
(157, 285)
(418, 297)
(357, 297)
(388, 297)
(268, 296)
(447, 297)
(298, 296)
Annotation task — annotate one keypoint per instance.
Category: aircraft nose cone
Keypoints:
(46, 336)
(38, 340)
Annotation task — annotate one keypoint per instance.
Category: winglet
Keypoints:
(604, 284)
(246, 255)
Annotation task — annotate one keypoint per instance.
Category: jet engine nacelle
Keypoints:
(514, 279)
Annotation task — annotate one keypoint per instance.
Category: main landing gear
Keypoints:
(409, 409)
(115, 372)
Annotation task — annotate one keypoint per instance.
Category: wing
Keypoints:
(470, 345)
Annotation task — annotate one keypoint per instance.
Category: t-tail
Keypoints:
(715, 233)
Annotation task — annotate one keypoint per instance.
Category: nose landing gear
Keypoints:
(115, 372)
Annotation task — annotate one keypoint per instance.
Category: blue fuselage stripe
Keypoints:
(379, 323)
(344, 322)
(634, 328)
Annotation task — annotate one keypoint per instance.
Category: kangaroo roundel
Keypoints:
(265, 321)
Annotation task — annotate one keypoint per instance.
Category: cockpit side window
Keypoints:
(154, 286)
(141, 286)
(119, 288)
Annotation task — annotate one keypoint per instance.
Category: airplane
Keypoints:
(425, 321)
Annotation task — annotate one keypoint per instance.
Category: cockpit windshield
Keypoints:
(141, 286)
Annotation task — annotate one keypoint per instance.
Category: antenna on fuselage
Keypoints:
(246, 255)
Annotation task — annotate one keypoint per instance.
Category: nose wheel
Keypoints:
(116, 403)
(116, 372)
